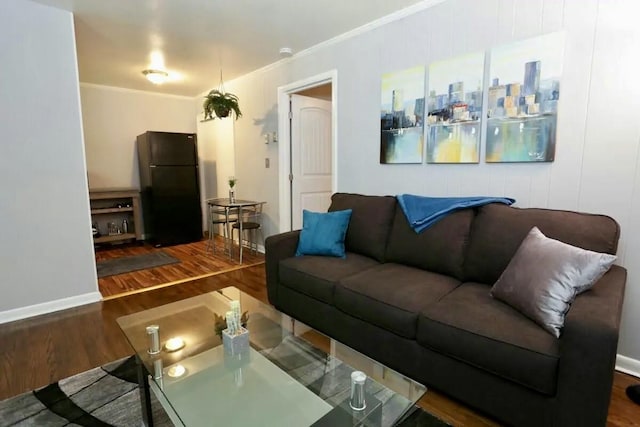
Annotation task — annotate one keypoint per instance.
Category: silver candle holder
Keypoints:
(158, 373)
(157, 369)
(356, 400)
(154, 339)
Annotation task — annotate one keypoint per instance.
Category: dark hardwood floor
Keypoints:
(40, 350)
(195, 261)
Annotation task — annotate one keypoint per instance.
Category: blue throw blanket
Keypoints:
(422, 212)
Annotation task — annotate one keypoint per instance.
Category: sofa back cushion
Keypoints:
(439, 248)
(370, 222)
(498, 230)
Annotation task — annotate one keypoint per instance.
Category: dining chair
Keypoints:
(218, 216)
(252, 224)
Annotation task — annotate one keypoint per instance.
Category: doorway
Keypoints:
(307, 153)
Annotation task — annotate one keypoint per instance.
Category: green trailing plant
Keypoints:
(220, 103)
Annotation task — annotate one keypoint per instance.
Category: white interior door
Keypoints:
(310, 156)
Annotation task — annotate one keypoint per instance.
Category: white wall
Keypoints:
(597, 157)
(46, 249)
(113, 117)
(217, 161)
(238, 147)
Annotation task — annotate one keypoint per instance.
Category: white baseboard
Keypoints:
(48, 307)
(628, 365)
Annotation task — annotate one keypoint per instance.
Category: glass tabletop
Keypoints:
(227, 203)
(289, 375)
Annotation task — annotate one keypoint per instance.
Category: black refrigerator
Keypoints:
(170, 190)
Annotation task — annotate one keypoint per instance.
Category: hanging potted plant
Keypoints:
(221, 104)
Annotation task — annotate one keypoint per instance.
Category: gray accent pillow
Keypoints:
(544, 277)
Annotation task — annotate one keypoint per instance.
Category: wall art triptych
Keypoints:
(455, 109)
(402, 116)
(520, 112)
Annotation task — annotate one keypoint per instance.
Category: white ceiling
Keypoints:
(115, 38)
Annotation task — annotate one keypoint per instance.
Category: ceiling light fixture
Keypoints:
(157, 77)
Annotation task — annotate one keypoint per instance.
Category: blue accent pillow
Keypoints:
(323, 233)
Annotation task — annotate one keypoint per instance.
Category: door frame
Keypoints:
(284, 138)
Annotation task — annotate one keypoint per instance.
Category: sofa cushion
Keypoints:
(439, 248)
(498, 230)
(544, 277)
(391, 296)
(316, 276)
(471, 326)
(370, 222)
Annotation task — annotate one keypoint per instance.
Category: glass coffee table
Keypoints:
(289, 375)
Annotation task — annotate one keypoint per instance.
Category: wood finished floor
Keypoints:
(195, 261)
(40, 350)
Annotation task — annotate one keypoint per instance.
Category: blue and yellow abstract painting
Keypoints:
(455, 109)
(523, 100)
(402, 116)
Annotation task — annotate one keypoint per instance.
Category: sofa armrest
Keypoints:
(588, 350)
(278, 247)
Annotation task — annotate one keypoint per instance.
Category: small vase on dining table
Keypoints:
(232, 190)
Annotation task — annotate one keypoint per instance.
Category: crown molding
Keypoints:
(387, 19)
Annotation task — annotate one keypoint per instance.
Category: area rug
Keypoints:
(329, 378)
(108, 396)
(128, 264)
(102, 397)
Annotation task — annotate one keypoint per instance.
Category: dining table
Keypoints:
(228, 206)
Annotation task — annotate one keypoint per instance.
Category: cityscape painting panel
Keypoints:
(523, 100)
(402, 116)
(455, 109)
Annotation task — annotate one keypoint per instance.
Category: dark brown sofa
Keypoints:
(420, 304)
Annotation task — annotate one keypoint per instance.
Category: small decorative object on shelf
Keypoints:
(95, 230)
(114, 230)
